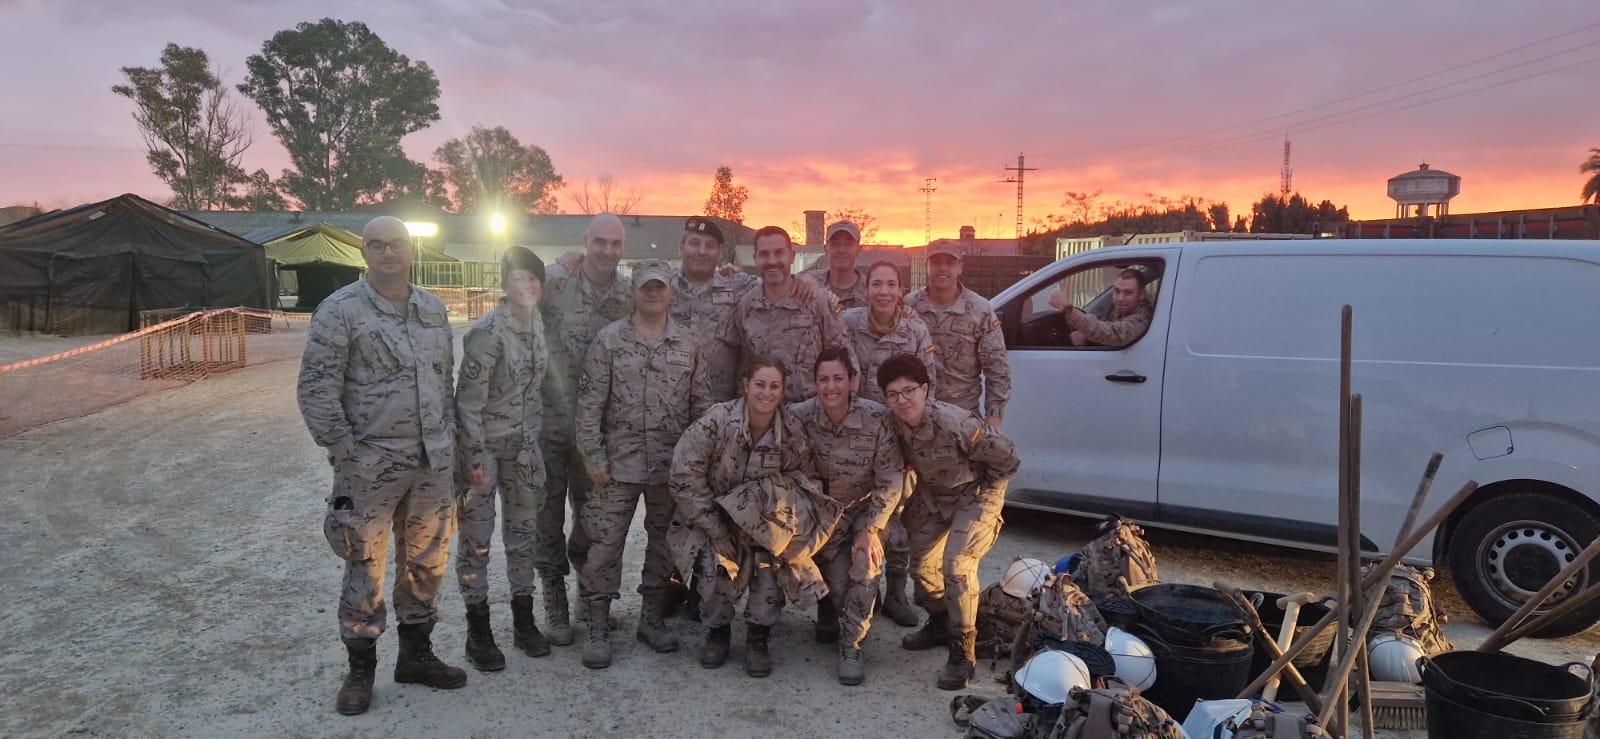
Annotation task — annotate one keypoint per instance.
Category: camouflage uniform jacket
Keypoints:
(373, 375)
(910, 335)
(573, 315)
(1106, 330)
(859, 458)
(788, 331)
(957, 457)
(636, 398)
(705, 311)
(716, 455)
(970, 347)
(498, 400)
(854, 296)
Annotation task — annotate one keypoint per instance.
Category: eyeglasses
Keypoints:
(393, 247)
(895, 396)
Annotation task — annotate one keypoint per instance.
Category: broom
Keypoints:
(1398, 706)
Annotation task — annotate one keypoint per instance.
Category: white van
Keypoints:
(1223, 417)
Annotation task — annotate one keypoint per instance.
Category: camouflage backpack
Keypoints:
(1115, 711)
(999, 719)
(1118, 550)
(1407, 608)
(1000, 615)
(1265, 723)
(1060, 612)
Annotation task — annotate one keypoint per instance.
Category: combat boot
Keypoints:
(934, 633)
(524, 632)
(355, 695)
(827, 631)
(673, 598)
(556, 620)
(895, 606)
(417, 663)
(653, 629)
(482, 652)
(852, 671)
(597, 644)
(581, 613)
(715, 651)
(962, 663)
(757, 660)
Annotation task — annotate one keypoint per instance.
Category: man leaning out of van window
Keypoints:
(1117, 325)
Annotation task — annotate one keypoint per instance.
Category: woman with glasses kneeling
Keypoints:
(751, 513)
(952, 518)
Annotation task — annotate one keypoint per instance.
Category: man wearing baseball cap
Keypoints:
(844, 279)
(644, 382)
(972, 351)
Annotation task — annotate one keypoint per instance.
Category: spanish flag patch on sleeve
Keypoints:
(977, 433)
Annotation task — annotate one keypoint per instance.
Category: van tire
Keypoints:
(1537, 533)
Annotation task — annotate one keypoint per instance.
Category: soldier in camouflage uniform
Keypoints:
(962, 466)
(773, 322)
(575, 306)
(703, 300)
(843, 278)
(859, 459)
(645, 380)
(1120, 323)
(498, 410)
(972, 350)
(375, 391)
(735, 442)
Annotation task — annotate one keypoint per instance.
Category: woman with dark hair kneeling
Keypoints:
(952, 518)
(751, 513)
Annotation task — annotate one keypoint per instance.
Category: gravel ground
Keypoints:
(167, 577)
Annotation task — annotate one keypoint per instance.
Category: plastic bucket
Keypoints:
(1508, 686)
(1313, 662)
(1185, 612)
(1448, 719)
(1184, 673)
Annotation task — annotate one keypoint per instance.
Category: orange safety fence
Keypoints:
(167, 355)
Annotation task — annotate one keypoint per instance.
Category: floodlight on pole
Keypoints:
(497, 224)
(422, 229)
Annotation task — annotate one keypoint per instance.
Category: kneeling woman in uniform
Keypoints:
(861, 466)
(751, 512)
(952, 518)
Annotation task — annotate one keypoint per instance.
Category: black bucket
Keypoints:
(1185, 612)
(1507, 686)
(1313, 661)
(1119, 612)
(1184, 674)
(1448, 719)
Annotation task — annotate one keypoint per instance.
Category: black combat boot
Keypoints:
(482, 652)
(356, 693)
(827, 631)
(757, 660)
(934, 633)
(417, 663)
(524, 631)
(715, 650)
(556, 619)
(962, 663)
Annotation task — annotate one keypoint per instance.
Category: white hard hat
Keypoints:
(1051, 674)
(1136, 664)
(1023, 577)
(1394, 658)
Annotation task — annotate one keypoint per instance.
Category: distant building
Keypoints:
(14, 213)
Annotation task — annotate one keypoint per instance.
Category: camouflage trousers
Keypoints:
(896, 548)
(566, 481)
(852, 588)
(757, 583)
(521, 492)
(386, 499)
(947, 543)
(607, 517)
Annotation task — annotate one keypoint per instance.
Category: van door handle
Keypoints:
(1126, 376)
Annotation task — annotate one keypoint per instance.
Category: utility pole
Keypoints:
(1286, 181)
(1020, 170)
(927, 191)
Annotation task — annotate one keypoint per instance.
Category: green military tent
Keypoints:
(92, 269)
(312, 261)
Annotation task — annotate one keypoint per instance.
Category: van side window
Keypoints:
(1101, 307)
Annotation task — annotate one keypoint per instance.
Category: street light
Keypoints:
(497, 224)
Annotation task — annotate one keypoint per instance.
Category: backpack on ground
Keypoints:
(1407, 608)
(1059, 613)
(1115, 711)
(999, 719)
(1000, 616)
(1264, 723)
(1118, 551)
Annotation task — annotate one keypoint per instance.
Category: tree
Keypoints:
(605, 197)
(340, 100)
(1080, 205)
(1218, 214)
(727, 199)
(261, 193)
(1591, 188)
(193, 132)
(1294, 215)
(489, 170)
(865, 221)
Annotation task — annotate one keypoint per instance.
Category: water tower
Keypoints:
(1416, 191)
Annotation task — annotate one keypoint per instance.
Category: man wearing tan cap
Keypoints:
(843, 278)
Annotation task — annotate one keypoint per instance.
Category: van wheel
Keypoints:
(1507, 548)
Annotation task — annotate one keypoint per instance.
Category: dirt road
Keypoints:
(166, 576)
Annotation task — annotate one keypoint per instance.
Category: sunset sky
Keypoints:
(831, 105)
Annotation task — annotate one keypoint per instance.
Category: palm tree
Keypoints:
(1591, 189)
